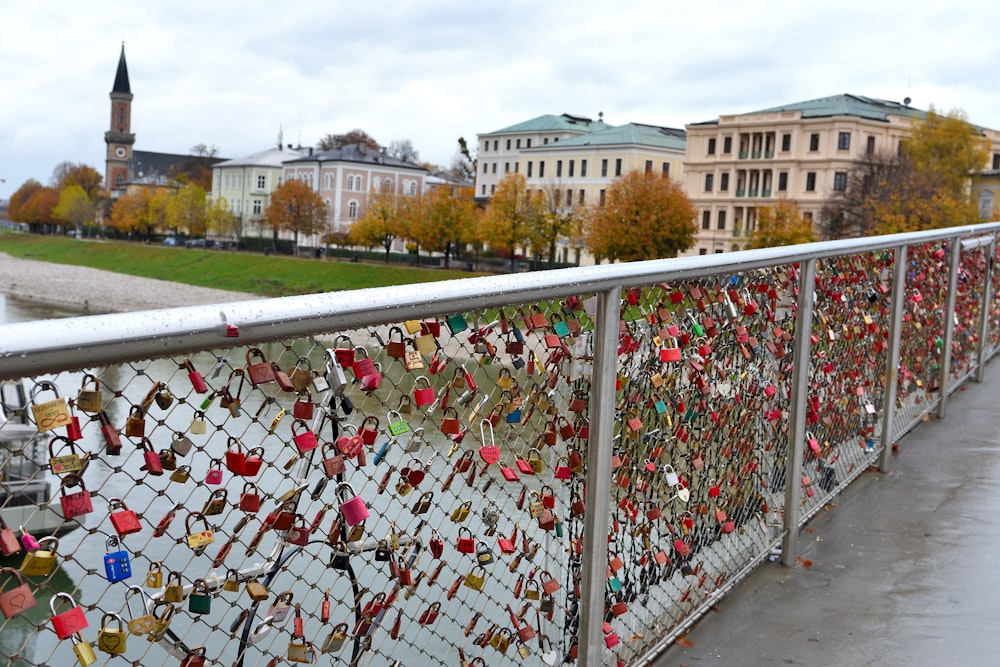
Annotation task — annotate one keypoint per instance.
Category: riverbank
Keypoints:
(95, 291)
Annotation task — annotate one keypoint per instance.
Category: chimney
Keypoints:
(310, 151)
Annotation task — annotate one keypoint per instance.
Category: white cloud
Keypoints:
(229, 73)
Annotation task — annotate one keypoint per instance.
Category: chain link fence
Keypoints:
(424, 489)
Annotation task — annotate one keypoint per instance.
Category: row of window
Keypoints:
(570, 171)
(257, 207)
(720, 219)
(839, 181)
(512, 144)
(748, 142)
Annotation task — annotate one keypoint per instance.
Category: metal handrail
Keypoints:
(33, 348)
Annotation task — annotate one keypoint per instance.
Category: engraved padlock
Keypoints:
(110, 639)
(68, 622)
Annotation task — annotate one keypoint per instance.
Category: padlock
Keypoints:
(200, 602)
(257, 591)
(335, 640)
(117, 564)
(259, 370)
(181, 475)
(161, 623)
(77, 503)
(66, 463)
(301, 374)
(213, 475)
(40, 561)
(429, 615)
(135, 423)
(423, 504)
(68, 622)
(303, 437)
(423, 392)
(250, 500)
(235, 456)
(281, 607)
(461, 513)
(50, 414)
(475, 578)
(216, 503)
(82, 649)
(17, 599)
(174, 591)
(198, 540)
(124, 520)
(194, 657)
(168, 460)
(549, 584)
(9, 544)
(154, 576)
(110, 639)
(299, 534)
(303, 408)
(466, 543)
(484, 555)
(353, 509)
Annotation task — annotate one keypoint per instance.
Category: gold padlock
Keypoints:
(257, 591)
(301, 652)
(174, 592)
(335, 640)
(232, 582)
(475, 581)
(154, 578)
(357, 532)
(83, 650)
(160, 624)
(111, 640)
(40, 562)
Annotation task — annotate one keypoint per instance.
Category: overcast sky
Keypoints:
(230, 74)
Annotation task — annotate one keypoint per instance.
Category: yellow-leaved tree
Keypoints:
(781, 224)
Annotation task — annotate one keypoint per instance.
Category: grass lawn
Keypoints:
(239, 272)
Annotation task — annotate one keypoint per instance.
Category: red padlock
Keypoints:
(253, 462)
(423, 395)
(353, 509)
(260, 372)
(112, 441)
(151, 460)
(124, 520)
(69, 622)
(250, 498)
(303, 407)
(78, 503)
(18, 599)
(303, 437)
(197, 381)
(369, 430)
(235, 458)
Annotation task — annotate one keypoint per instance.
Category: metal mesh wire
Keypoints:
(464, 439)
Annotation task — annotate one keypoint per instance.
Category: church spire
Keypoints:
(121, 76)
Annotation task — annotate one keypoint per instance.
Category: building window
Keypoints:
(494, 167)
(666, 169)
(618, 166)
(518, 143)
(709, 178)
(508, 144)
(706, 219)
(557, 197)
(727, 145)
(261, 182)
(581, 197)
(711, 146)
(352, 210)
(783, 181)
(583, 169)
(569, 197)
(870, 147)
(545, 141)
(721, 222)
(541, 169)
(483, 191)
(517, 167)
(786, 142)
(844, 141)
(506, 167)
(530, 165)
(256, 207)
(811, 181)
(840, 181)
(702, 251)
(724, 182)
(604, 168)
(558, 168)
(528, 142)
(600, 198)
(486, 168)
(572, 163)
(807, 217)
(814, 142)
(496, 144)
(387, 185)
(413, 188)
(996, 161)
(493, 188)
(649, 166)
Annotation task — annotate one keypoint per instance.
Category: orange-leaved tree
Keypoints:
(295, 208)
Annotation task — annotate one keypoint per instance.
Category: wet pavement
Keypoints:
(902, 570)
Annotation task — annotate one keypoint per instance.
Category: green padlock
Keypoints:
(200, 603)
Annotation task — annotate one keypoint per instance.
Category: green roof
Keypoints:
(856, 106)
(552, 123)
(630, 134)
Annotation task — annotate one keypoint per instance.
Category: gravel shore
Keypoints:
(96, 291)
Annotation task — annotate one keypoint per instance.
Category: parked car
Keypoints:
(170, 241)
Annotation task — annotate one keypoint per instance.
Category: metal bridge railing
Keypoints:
(521, 469)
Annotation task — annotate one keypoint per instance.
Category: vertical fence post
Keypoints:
(949, 326)
(984, 316)
(797, 409)
(892, 354)
(598, 482)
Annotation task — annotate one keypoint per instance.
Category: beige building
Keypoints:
(798, 152)
(573, 160)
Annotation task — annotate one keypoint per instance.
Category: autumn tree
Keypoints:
(20, 197)
(143, 213)
(70, 173)
(220, 221)
(511, 217)
(781, 224)
(386, 216)
(644, 216)
(33, 203)
(295, 208)
(75, 207)
(558, 220)
(356, 136)
(442, 219)
(923, 186)
(187, 210)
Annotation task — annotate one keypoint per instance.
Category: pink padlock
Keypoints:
(354, 509)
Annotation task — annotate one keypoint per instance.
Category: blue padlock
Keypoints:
(117, 565)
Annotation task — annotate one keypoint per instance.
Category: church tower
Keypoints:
(118, 138)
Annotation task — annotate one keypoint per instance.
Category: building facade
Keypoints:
(246, 183)
(801, 153)
(344, 177)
